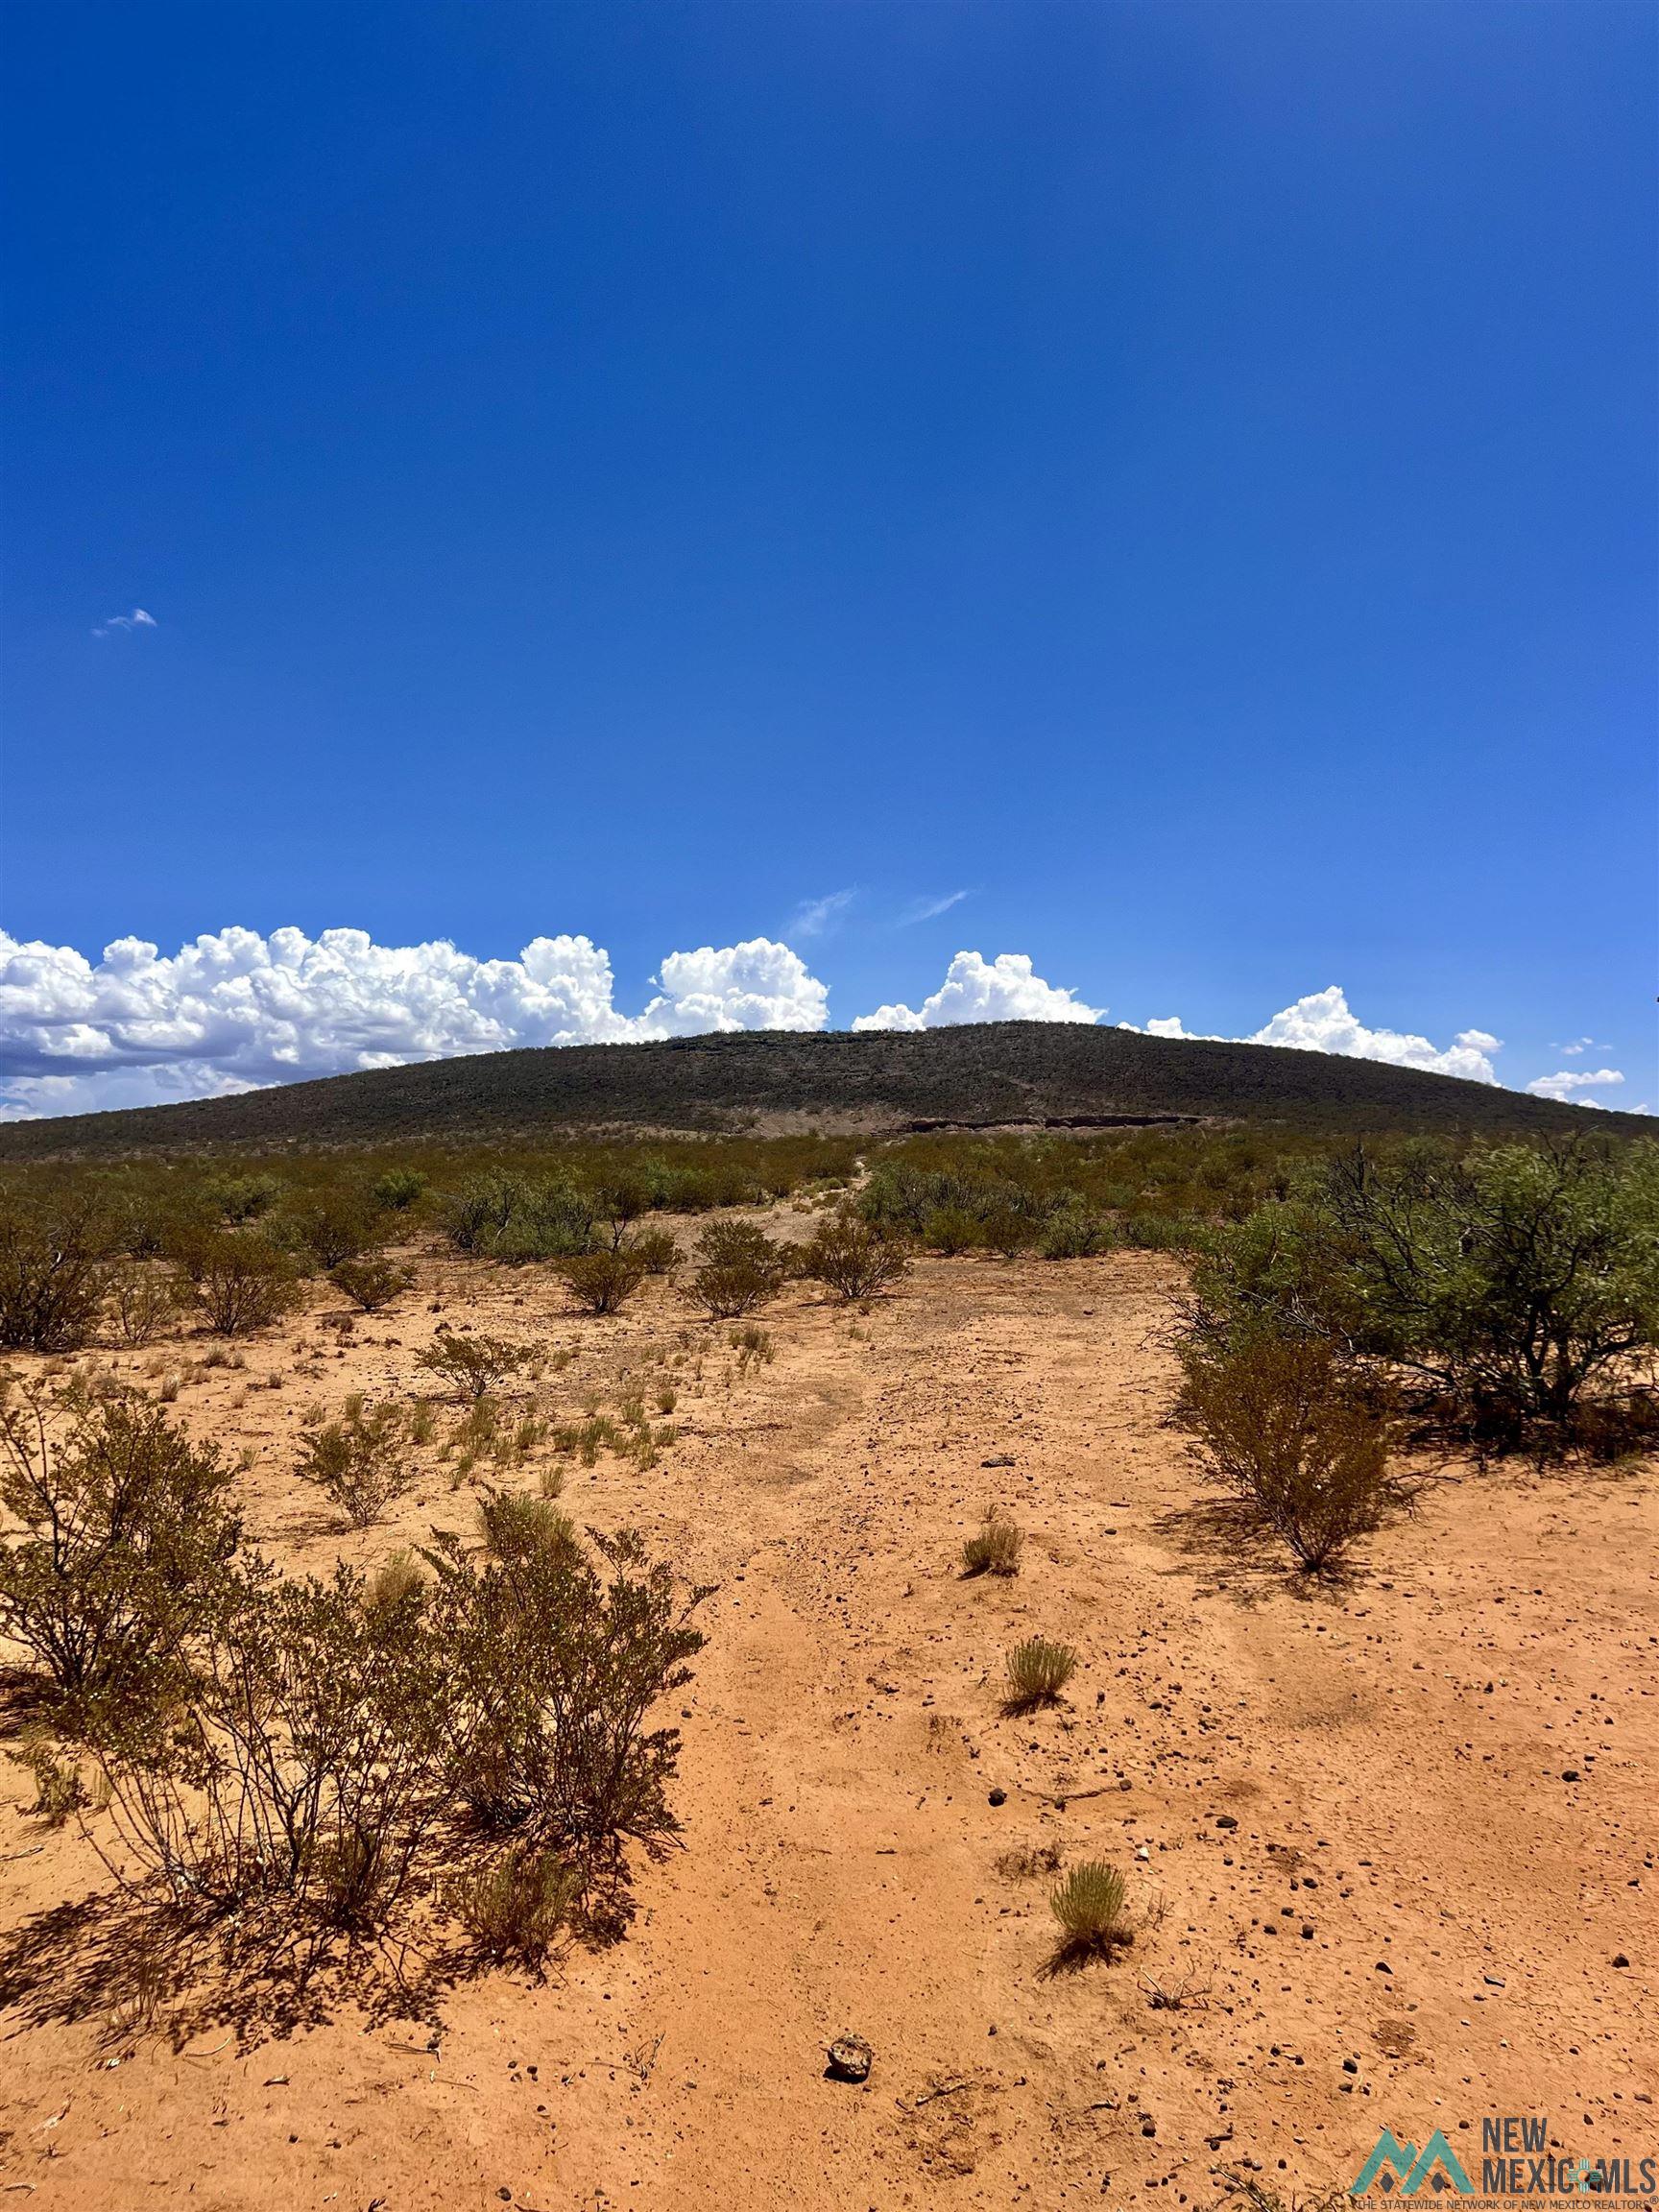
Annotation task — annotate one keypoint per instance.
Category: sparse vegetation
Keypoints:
(240, 1284)
(519, 1907)
(852, 1259)
(1293, 1427)
(143, 1303)
(741, 1269)
(603, 1282)
(994, 1548)
(754, 1346)
(123, 1530)
(1089, 1905)
(360, 1463)
(474, 1364)
(370, 1284)
(1038, 1672)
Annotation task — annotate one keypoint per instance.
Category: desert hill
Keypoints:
(979, 1075)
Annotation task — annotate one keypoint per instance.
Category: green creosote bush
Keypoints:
(1284, 1419)
(521, 1219)
(335, 1226)
(309, 1760)
(240, 1284)
(53, 1278)
(398, 1190)
(1514, 1288)
(143, 1303)
(370, 1284)
(474, 1365)
(1009, 1232)
(658, 1251)
(359, 1461)
(851, 1260)
(952, 1229)
(239, 1198)
(556, 1665)
(123, 1532)
(1072, 1232)
(1038, 1672)
(740, 1268)
(603, 1282)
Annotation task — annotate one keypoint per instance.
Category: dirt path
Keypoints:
(1365, 1892)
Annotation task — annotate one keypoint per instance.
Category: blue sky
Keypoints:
(1177, 481)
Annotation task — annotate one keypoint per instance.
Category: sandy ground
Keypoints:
(1365, 1891)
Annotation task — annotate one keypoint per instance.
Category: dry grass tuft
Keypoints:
(1038, 1672)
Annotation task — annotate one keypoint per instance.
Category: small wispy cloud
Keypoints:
(1578, 1045)
(138, 619)
(817, 917)
(929, 909)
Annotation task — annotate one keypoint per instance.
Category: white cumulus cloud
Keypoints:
(979, 989)
(1323, 1022)
(1569, 1081)
(237, 1010)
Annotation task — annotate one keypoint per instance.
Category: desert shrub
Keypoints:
(298, 1778)
(337, 1225)
(603, 1282)
(620, 1197)
(398, 1190)
(1518, 1281)
(1072, 1232)
(239, 1198)
(995, 1550)
(726, 1289)
(473, 1216)
(657, 1250)
(518, 1218)
(359, 1462)
(143, 1305)
(740, 1268)
(1284, 1419)
(474, 1365)
(556, 1667)
(1008, 1232)
(372, 1283)
(240, 1284)
(852, 1259)
(1089, 1905)
(122, 1533)
(1038, 1672)
(1515, 1289)
(516, 1909)
(514, 1526)
(951, 1230)
(53, 1279)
